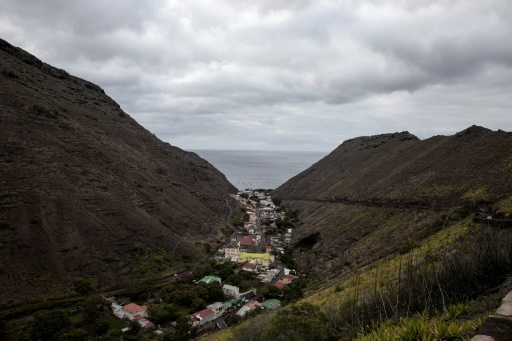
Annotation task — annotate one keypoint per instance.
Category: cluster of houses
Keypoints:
(218, 309)
(250, 252)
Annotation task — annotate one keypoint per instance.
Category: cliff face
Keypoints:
(373, 196)
(85, 191)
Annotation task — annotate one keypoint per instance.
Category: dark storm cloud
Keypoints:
(282, 74)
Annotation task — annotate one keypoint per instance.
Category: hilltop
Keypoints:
(88, 193)
(373, 196)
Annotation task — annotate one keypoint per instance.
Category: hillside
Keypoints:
(86, 192)
(374, 196)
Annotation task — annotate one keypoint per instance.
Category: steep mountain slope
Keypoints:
(86, 192)
(374, 196)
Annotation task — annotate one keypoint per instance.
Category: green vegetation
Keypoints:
(152, 262)
(299, 322)
(476, 196)
(82, 286)
(504, 207)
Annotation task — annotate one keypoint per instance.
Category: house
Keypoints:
(280, 284)
(131, 310)
(230, 290)
(144, 322)
(249, 267)
(271, 304)
(250, 306)
(210, 279)
(202, 317)
(231, 249)
(245, 241)
(263, 259)
(217, 308)
(118, 311)
(288, 279)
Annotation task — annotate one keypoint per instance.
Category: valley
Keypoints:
(107, 231)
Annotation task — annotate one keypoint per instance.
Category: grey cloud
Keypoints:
(294, 74)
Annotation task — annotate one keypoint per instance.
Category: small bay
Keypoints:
(260, 168)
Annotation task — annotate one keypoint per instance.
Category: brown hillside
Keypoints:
(86, 192)
(374, 196)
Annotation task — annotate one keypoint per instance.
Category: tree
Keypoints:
(102, 327)
(225, 272)
(184, 330)
(163, 313)
(271, 292)
(82, 286)
(47, 323)
(140, 292)
(203, 270)
(215, 292)
(92, 307)
(75, 335)
(198, 304)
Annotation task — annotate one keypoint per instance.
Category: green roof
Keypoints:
(271, 303)
(265, 255)
(209, 279)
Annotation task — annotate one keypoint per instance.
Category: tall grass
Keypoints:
(429, 285)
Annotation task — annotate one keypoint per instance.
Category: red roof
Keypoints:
(288, 278)
(280, 284)
(245, 241)
(249, 266)
(204, 313)
(147, 323)
(134, 309)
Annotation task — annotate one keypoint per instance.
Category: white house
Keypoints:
(217, 308)
(230, 290)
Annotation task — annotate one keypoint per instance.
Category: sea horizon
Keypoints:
(253, 169)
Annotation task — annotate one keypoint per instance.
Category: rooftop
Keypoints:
(265, 255)
(209, 279)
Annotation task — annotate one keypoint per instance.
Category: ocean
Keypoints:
(260, 168)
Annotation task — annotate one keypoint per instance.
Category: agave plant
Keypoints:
(447, 331)
(414, 329)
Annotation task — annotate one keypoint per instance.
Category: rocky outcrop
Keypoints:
(86, 192)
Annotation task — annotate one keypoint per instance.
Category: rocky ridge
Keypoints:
(86, 192)
(373, 196)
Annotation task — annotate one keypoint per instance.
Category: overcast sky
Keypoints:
(278, 74)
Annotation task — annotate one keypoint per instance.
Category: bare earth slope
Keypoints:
(374, 196)
(85, 191)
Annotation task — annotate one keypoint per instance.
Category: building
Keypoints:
(280, 284)
(250, 306)
(202, 317)
(231, 249)
(245, 241)
(144, 322)
(133, 312)
(217, 308)
(288, 278)
(271, 304)
(230, 290)
(210, 279)
(263, 259)
(249, 267)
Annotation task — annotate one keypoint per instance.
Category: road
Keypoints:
(279, 275)
(262, 233)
